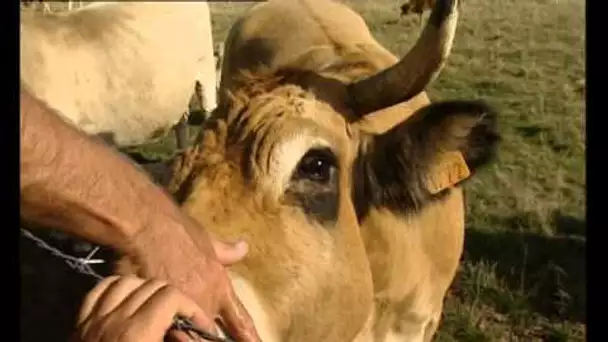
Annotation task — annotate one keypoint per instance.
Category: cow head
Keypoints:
(273, 166)
(284, 170)
(285, 164)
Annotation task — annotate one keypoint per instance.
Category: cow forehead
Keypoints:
(290, 109)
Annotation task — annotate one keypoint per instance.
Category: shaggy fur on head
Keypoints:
(391, 169)
(231, 125)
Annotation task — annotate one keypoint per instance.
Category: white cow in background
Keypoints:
(71, 5)
(124, 71)
(46, 5)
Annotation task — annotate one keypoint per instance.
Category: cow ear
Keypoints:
(421, 158)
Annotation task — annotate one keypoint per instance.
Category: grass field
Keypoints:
(523, 274)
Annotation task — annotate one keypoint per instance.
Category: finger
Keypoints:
(221, 326)
(92, 297)
(115, 294)
(81, 331)
(178, 336)
(228, 253)
(121, 300)
(237, 320)
(155, 316)
(138, 297)
(94, 330)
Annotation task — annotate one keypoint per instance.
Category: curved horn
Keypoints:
(419, 67)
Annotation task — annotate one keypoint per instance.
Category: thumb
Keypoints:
(229, 253)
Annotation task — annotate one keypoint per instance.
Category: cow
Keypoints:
(71, 5)
(35, 5)
(327, 156)
(124, 71)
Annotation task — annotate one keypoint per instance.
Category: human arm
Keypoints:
(74, 183)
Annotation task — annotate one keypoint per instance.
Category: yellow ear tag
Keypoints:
(448, 170)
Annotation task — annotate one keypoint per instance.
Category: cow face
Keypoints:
(290, 173)
(286, 163)
(274, 167)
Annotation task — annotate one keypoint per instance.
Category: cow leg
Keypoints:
(198, 92)
(181, 132)
(218, 53)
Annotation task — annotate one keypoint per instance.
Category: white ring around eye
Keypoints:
(286, 156)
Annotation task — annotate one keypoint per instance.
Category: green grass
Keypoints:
(523, 274)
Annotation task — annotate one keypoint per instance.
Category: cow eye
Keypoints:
(317, 165)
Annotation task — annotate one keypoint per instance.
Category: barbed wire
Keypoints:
(83, 266)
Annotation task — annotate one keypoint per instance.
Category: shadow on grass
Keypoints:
(51, 291)
(548, 272)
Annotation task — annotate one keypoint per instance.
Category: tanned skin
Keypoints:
(76, 184)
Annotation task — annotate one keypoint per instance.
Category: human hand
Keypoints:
(110, 202)
(130, 309)
(193, 261)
